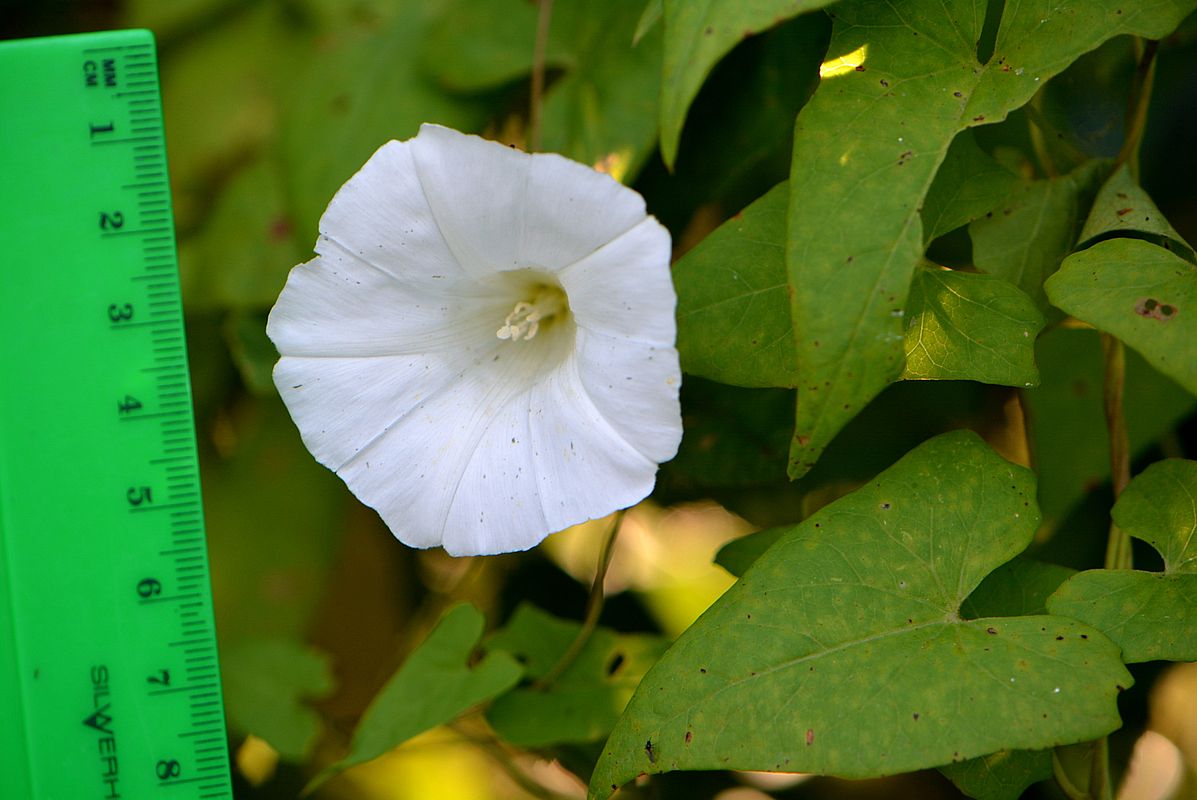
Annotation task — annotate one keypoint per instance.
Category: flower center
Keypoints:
(525, 319)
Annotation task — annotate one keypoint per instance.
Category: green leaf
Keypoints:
(266, 682)
(1026, 240)
(1003, 775)
(697, 34)
(434, 686)
(733, 314)
(582, 704)
(1151, 616)
(240, 257)
(968, 326)
(1017, 588)
(653, 11)
(1067, 421)
(866, 149)
(739, 554)
(1123, 207)
(363, 90)
(602, 110)
(841, 651)
(969, 184)
(733, 437)
(1139, 292)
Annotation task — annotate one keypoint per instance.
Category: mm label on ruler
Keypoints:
(109, 681)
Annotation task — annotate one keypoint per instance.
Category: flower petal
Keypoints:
(635, 387)
(575, 211)
(624, 289)
(429, 471)
(502, 209)
(584, 468)
(337, 305)
(382, 216)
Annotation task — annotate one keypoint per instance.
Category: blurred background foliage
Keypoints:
(272, 104)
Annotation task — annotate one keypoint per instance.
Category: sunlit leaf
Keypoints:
(1150, 615)
(969, 184)
(697, 34)
(582, 704)
(1139, 292)
(1123, 207)
(967, 326)
(782, 672)
(435, 684)
(866, 148)
(266, 683)
(1025, 240)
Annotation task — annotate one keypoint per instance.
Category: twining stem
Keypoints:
(538, 59)
(1035, 126)
(594, 607)
(1118, 547)
(1064, 782)
(1138, 103)
(1099, 771)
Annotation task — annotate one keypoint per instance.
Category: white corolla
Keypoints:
(483, 348)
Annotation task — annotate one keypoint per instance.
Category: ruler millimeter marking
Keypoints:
(109, 680)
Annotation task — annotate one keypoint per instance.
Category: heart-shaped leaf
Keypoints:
(842, 650)
(1150, 615)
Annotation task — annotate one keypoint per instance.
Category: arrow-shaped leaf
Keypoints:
(842, 650)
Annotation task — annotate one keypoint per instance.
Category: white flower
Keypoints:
(483, 347)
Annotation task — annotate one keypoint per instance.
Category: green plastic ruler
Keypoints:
(109, 681)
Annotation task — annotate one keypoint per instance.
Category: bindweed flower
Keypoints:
(483, 348)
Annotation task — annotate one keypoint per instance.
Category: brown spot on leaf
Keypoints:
(689, 736)
(1153, 309)
(1122, 212)
(991, 631)
(810, 736)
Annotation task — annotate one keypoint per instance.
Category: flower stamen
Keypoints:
(524, 320)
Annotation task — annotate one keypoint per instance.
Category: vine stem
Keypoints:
(1118, 548)
(594, 607)
(545, 13)
(1139, 101)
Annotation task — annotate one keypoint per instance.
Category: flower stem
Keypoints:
(594, 607)
(1064, 782)
(538, 59)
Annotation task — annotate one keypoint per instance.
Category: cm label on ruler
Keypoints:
(108, 657)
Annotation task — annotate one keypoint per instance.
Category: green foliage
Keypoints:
(779, 673)
(697, 35)
(436, 683)
(945, 209)
(266, 682)
(1141, 293)
(1149, 615)
(583, 702)
(964, 326)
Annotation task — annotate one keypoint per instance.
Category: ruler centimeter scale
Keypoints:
(109, 680)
